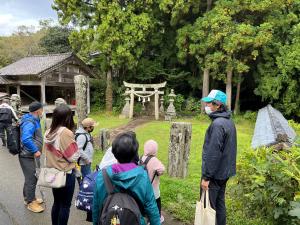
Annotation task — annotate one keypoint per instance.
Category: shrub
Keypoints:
(193, 105)
(268, 182)
(249, 115)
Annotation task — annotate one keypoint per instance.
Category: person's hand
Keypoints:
(87, 161)
(37, 154)
(204, 185)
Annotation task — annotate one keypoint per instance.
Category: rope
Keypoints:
(143, 96)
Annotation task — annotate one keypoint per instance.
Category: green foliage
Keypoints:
(56, 40)
(251, 116)
(22, 43)
(269, 182)
(97, 90)
(193, 105)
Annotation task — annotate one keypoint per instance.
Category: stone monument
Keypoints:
(179, 149)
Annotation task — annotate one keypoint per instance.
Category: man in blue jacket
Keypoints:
(219, 152)
(31, 148)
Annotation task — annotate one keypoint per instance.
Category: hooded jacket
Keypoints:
(154, 165)
(219, 148)
(136, 181)
(61, 149)
(85, 154)
(31, 135)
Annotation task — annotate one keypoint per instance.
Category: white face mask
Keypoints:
(208, 110)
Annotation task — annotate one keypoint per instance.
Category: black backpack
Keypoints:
(6, 115)
(85, 144)
(144, 164)
(86, 139)
(119, 208)
(14, 144)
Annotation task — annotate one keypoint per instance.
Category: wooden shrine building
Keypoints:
(44, 78)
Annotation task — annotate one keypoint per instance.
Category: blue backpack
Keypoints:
(84, 200)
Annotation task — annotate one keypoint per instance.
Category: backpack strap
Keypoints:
(107, 182)
(86, 139)
(147, 160)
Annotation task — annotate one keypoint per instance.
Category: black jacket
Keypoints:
(219, 148)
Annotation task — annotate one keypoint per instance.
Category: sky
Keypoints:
(14, 13)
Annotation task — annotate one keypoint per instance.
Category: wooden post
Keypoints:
(104, 139)
(156, 104)
(179, 149)
(19, 90)
(81, 99)
(131, 103)
(43, 91)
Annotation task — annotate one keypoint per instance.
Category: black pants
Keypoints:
(62, 201)
(4, 127)
(28, 168)
(217, 199)
(158, 202)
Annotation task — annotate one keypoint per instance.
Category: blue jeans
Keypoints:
(62, 201)
(85, 170)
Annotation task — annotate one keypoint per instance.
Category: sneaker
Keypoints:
(35, 207)
(37, 200)
(162, 219)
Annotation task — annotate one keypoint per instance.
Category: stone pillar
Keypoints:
(179, 149)
(156, 100)
(131, 103)
(104, 139)
(81, 99)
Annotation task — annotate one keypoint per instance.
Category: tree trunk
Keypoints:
(109, 91)
(237, 97)
(229, 87)
(205, 86)
(209, 5)
(81, 97)
(179, 149)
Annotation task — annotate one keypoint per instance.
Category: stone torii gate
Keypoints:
(142, 91)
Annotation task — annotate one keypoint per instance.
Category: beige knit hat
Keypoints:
(89, 122)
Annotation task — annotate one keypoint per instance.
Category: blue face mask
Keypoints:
(208, 110)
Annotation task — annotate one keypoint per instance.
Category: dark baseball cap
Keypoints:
(34, 106)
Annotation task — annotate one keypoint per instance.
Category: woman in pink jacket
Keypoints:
(155, 169)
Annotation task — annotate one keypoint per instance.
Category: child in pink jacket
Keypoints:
(155, 168)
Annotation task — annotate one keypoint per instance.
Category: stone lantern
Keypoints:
(171, 111)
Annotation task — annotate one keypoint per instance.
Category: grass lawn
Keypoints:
(179, 195)
(106, 121)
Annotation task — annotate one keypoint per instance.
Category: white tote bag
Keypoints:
(204, 214)
(52, 178)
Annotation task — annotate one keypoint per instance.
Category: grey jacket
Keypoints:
(86, 155)
(220, 148)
